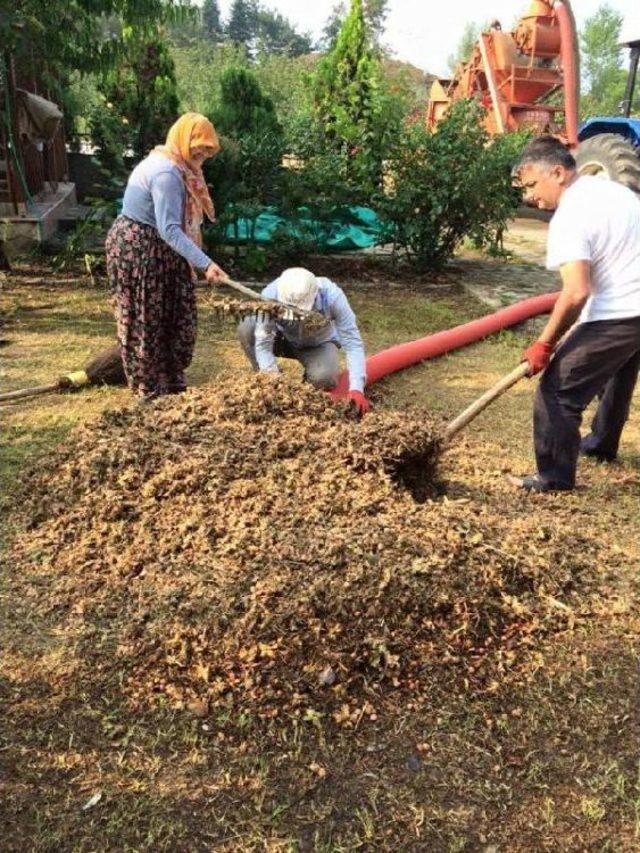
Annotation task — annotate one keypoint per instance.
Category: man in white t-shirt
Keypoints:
(594, 241)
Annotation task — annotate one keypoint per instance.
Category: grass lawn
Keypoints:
(550, 765)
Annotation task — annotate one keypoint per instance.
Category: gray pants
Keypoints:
(602, 359)
(321, 363)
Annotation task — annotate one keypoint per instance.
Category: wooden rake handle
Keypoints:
(29, 392)
(472, 411)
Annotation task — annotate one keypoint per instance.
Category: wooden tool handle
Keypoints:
(488, 397)
(29, 392)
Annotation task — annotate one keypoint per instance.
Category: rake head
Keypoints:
(239, 309)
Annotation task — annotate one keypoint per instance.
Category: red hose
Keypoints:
(570, 70)
(405, 355)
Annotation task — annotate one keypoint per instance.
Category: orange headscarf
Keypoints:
(190, 131)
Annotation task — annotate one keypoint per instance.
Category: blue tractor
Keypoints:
(610, 147)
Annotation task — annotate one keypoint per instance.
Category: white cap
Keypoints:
(298, 287)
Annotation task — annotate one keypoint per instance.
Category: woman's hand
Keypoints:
(215, 274)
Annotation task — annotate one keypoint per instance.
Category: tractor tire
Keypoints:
(610, 156)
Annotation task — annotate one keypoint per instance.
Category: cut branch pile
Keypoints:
(247, 550)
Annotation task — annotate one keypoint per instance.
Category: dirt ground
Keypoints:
(549, 765)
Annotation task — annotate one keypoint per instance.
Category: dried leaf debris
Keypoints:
(247, 550)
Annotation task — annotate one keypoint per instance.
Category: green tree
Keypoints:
(245, 175)
(375, 13)
(139, 100)
(58, 36)
(211, 22)
(241, 27)
(448, 185)
(243, 108)
(276, 35)
(333, 25)
(465, 46)
(347, 103)
(603, 77)
(199, 69)
(188, 27)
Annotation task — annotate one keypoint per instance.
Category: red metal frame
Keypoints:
(513, 75)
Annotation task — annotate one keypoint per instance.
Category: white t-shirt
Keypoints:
(599, 221)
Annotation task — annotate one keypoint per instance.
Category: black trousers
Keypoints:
(602, 359)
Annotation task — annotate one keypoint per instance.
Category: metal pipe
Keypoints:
(570, 69)
(631, 80)
(493, 91)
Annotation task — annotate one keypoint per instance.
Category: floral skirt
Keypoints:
(155, 307)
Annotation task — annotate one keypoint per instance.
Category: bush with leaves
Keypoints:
(448, 185)
(315, 192)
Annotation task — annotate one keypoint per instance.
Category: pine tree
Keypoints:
(241, 28)
(277, 35)
(375, 13)
(333, 25)
(243, 108)
(211, 22)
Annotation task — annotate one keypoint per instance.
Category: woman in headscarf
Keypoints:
(153, 251)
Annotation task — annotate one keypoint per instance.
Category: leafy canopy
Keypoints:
(57, 37)
(603, 75)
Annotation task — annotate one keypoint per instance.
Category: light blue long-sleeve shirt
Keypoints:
(155, 195)
(341, 328)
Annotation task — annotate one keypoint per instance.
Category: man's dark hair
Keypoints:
(547, 151)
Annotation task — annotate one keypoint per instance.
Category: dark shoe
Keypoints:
(599, 457)
(591, 452)
(535, 484)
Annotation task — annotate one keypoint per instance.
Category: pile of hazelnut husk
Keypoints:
(247, 548)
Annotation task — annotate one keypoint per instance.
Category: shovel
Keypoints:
(479, 405)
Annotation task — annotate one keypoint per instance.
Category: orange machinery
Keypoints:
(526, 78)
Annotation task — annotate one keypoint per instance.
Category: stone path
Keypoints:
(498, 283)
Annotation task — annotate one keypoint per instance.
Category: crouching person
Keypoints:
(316, 349)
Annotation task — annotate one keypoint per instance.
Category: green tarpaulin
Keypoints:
(357, 228)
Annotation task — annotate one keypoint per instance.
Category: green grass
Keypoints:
(551, 765)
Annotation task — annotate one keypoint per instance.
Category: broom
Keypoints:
(105, 369)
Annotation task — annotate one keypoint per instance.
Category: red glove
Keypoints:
(360, 402)
(538, 355)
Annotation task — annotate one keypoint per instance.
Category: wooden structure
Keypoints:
(35, 169)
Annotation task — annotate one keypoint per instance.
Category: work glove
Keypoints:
(359, 402)
(538, 355)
